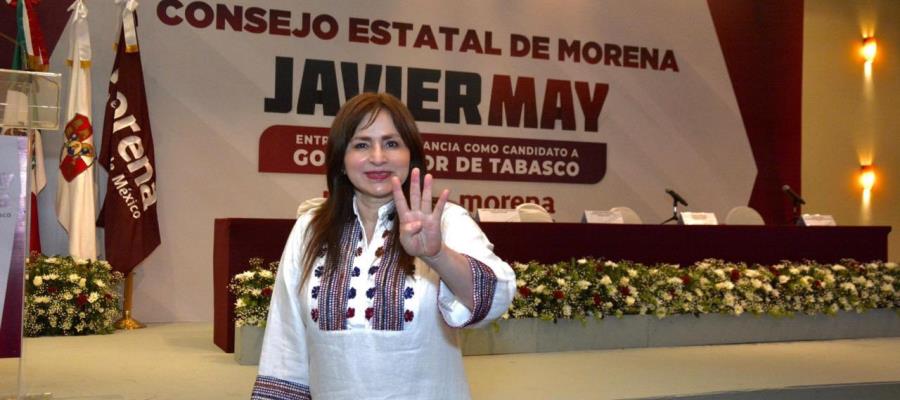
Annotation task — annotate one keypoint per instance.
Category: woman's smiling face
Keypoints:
(376, 153)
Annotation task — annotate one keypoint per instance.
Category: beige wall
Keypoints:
(847, 118)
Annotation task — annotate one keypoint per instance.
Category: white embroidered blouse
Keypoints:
(370, 331)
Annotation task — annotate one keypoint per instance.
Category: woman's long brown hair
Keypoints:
(324, 231)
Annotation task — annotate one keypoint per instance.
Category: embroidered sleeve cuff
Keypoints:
(484, 283)
(271, 388)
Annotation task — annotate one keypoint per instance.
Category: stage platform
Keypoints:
(178, 361)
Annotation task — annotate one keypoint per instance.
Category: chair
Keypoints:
(628, 215)
(309, 204)
(743, 215)
(531, 212)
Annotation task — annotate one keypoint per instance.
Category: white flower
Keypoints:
(838, 267)
(728, 299)
(848, 287)
(756, 283)
(38, 281)
(567, 310)
(727, 285)
(829, 278)
(561, 282)
(624, 281)
(540, 289)
(239, 303)
(74, 278)
(629, 300)
(888, 278)
(520, 283)
(265, 273)
(605, 280)
(52, 260)
(81, 261)
(256, 292)
(793, 271)
(99, 283)
(887, 287)
(67, 296)
(632, 273)
(582, 261)
(583, 284)
(674, 281)
(666, 296)
(783, 279)
(82, 282)
(751, 273)
(610, 264)
(719, 273)
(738, 310)
(519, 266)
(93, 297)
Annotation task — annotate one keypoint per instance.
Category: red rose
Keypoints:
(82, 299)
(817, 284)
(735, 275)
(267, 292)
(597, 299)
(599, 268)
(51, 289)
(370, 312)
(686, 280)
(351, 312)
(558, 294)
(525, 291)
(624, 290)
(774, 271)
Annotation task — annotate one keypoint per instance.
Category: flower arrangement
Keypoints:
(65, 296)
(253, 289)
(589, 288)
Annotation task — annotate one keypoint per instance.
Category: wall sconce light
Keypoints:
(867, 177)
(869, 49)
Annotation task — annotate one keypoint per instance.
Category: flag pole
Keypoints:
(127, 322)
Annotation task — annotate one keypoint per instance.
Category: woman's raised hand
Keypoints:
(420, 225)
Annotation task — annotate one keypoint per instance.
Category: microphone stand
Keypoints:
(674, 216)
(798, 220)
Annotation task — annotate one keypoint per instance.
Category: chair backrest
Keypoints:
(531, 212)
(628, 215)
(309, 204)
(743, 215)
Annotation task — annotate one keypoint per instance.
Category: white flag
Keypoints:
(75, 200)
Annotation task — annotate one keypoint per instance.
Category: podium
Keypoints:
(28, 101)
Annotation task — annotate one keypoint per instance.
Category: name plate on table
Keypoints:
(602, 217)
(818, 220)
(698, 218)
(497, 215)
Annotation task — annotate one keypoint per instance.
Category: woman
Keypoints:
(372, 288)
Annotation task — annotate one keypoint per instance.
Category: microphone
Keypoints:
(793, 195)
(676, 197)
